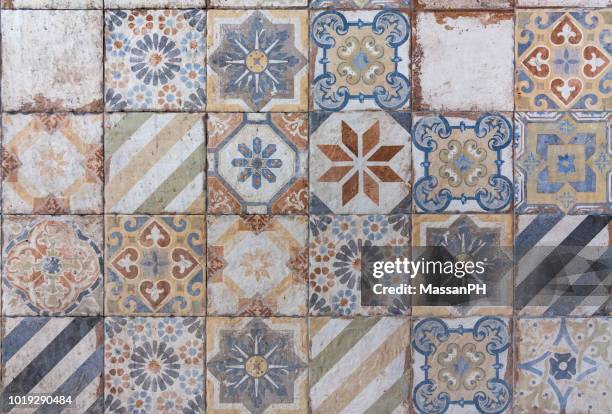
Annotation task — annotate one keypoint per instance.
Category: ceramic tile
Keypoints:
(154, 265)
(257, 163)
(154, 163)
(358, 4)
(237, 4)
(51, 4)
(476, 50)
(563, 162)
(562, 3)
(563, 60)
(52, 265)
(360, 60)
(462, 365)
(155, 60)
(150, 4)
(462, 163)
(464, 4)
(256, 365)
(257, 60)
(359, 365)
(257, 265)
(63, 49)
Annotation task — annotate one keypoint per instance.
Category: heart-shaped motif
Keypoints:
(595, 61)
(566, 90)
(154, 234)
(536, 62)
(126, 263)
(156, 293)
(566, 31)
(184, 263)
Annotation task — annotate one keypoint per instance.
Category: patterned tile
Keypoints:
(154, 365)
(257, 60)
(154, 265)
(562, 3)
(360, 60)
(151, 4)
(53, 356)
(563, 59)
(52, 265)
(476, 48)
(462, 163)
(155, 60)
(359, 365)
(360, 164)
(51, 4)
(154, 163)
(563, 162)
(563, 365)
(257, 163)
(63, 49)
(236, 4)
(358, 4)
(257, 265)
(464, 4)
(256, 365)
(462, 363)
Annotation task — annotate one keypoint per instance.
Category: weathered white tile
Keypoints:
(51, 4)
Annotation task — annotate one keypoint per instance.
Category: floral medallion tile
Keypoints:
(563, 59)
(462, 163)
(358, 4)
(155, 265)
(155, 60)
(154, 163)
(360, 60)
(237, 4)
(154, 365)
(63, 49)
(256, 365)
(464, 4)
(563, 365)
(359, 365)
(150, 4)
(52, 265)
(476, 48)
(257, 60)
(257, 265)
(51, 4)
(257, 163)
(462, 365)
(563, 162)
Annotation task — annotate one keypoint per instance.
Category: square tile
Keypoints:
(257, 60)
(563, 365)
(563, 162)
(257, 163)
(462, 365)
(52, 265)
(155, 265)
(257, 265)
(63, 48)
(359, 365)
(256, 365)
(360, 60)
(358, 4)
(154, 163)
(151, 4)
(474, 51)
(464, 4)
(155, 60)
(237, 4)
(562, 3)
(51, 4)
(563, 60)
(154, 365)
(360, 164)
(462, 163)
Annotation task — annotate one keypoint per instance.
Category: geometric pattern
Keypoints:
(257, 3)
(358, 4)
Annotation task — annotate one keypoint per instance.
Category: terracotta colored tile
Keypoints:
(358, 4)
(51, 4)
(150, 4)
(237, 4)
(464, 4)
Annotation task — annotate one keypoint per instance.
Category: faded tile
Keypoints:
(360, 165)
(257, 163)
(237, 4)
(52, 265)
(257, 60)
(464, 61)
(464, 4)
(562, 3)
(462, 163)
(63, 49)
(358, 4)
(154, 163)
(151, 4)
(256, 365)
(360, 60)
(257, 265)
(51, 4)
(154, 265)
(155, 60)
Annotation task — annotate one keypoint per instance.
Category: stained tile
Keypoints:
(155, 60)
(63, 49)
(257, 265)
(257, 163)
(563, 60)
(256, 365)
(462, 163)
(154, 265)
(154, 163)
(150, 4)
(562, 3)
(359, 365)
(257, 60)
(237, 4)
(464, 4)
(360, 60)
(51, 4)
(358, 4)
(476, 51)
(52, 265)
